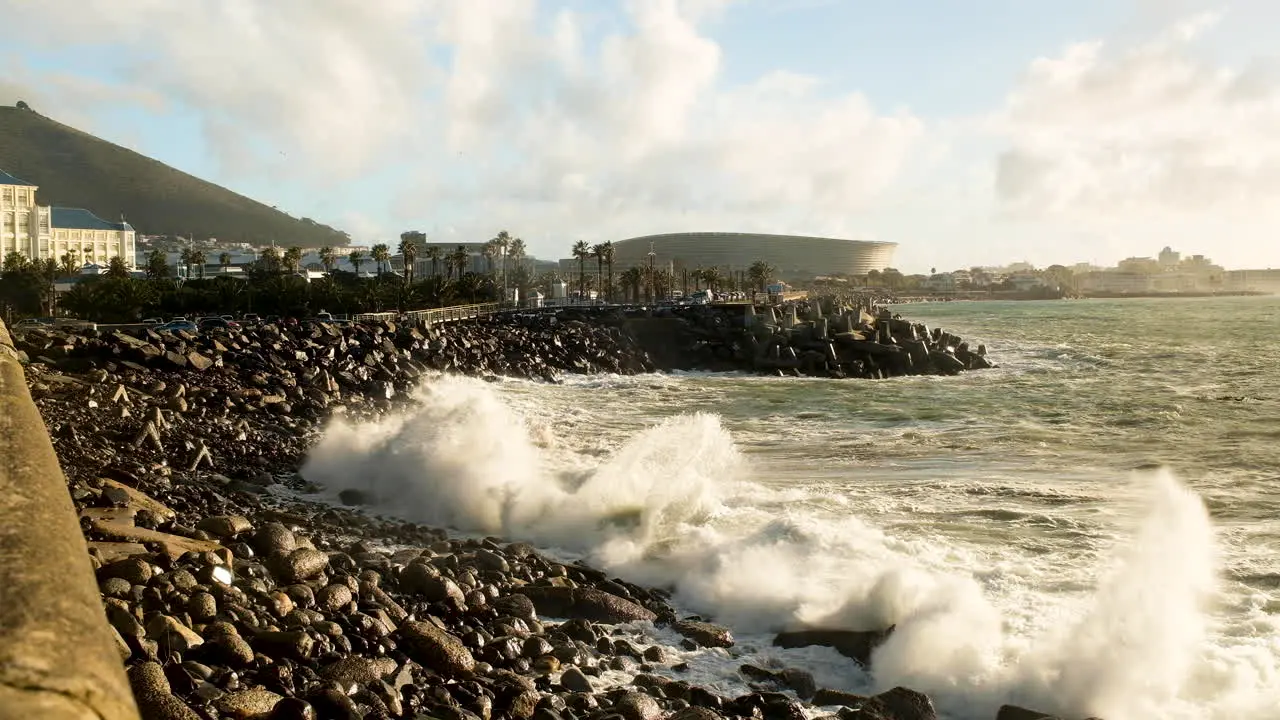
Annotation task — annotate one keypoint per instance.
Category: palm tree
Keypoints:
(597, 252)
(502, 241)
(198, 258)
(380, 253)
(459, 260)
(224, 259)
(409, 252)
(355, 257)
(435, 254)
(270, 260)
(581, 251)
(632, 278)
(117, 268)
(185, 259)
(760, 273)
(490, 251)
(469, 283)
(67, 264)
(293, 258)
(713, 278)
(517, 250)
(157, 265)
(14, 262)
(608, 263)
(327, 258)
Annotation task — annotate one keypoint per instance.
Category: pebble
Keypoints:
(355, 616)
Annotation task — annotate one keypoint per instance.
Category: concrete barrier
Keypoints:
(58, 658)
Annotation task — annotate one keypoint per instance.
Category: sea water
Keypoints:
(1089, 529)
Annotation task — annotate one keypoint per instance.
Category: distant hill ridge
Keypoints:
(76, 169)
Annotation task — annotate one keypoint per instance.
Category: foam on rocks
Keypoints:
(233, 593)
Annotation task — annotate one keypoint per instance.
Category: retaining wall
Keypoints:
(58, 658)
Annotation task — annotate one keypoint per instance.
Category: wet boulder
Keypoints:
(898, 704)
(585, 603)
(855, 644)
(1014, 712)
(436, 649)
(704, 633)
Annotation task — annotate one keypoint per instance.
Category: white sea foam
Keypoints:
(675, 506)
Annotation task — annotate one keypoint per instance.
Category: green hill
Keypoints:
(76, 169)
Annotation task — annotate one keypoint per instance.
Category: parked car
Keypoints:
(180, 318)
(217, 323)
(229, 318)
(153, 321)
(176, 325)
(251, 318)
(32, 322)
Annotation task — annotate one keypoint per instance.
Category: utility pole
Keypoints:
(652, 257)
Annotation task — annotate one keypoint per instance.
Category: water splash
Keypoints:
(673, 506)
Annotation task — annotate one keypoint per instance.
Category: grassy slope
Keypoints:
(76, 169)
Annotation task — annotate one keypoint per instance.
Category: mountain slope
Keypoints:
(76, 169)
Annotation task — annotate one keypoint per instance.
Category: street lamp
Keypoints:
(652, 285)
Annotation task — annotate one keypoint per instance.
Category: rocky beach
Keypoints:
(234, 593)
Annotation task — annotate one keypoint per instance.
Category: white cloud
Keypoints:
(503, 114)
(604, 122)
(330, 80)
(1150, 142)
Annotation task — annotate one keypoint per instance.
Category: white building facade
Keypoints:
(43, 232)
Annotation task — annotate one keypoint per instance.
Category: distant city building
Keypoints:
(1024, 281)
(1252, 280)
(476, 261)
(791, 256)
(1139, 266)
(47, 233)
(1169, 258)
(1113, 282)
(941, 282)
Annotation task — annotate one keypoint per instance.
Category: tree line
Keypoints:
(275, 284)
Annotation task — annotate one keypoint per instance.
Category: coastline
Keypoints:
(339, 597)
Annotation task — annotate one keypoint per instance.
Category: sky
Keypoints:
(970, 132)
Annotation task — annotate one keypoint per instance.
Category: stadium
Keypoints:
(794, 257)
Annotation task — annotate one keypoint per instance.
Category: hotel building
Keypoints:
(44, 232)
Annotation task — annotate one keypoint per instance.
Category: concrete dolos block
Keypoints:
(58, 659)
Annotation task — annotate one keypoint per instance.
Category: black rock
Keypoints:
(432, 647)
(301, 564)
(574, 681)
(704, 633)
(274, 539)
(292, 708)
(855, 644)
(585, 603)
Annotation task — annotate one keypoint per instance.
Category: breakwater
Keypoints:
(822, 337)
(227, 598)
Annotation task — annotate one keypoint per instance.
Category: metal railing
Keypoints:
(434, 316)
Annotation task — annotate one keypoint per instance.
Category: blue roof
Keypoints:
(7, 179)
(80, 219)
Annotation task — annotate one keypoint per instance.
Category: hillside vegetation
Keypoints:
(76, 169)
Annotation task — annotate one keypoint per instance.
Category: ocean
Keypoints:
(1089, 529)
